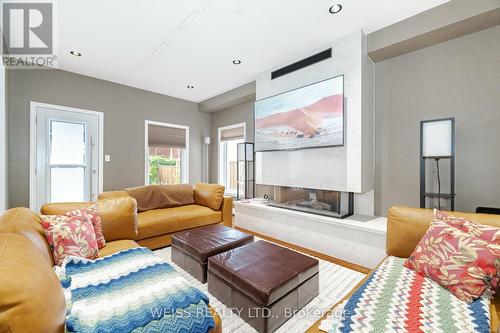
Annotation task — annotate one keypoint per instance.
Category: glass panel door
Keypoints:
(67, 156)
(67, 184)
(67, 161)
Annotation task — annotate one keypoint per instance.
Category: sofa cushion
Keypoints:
(486, 232)
(463, 263)
(406, 226)
(395, 298)
(165, 221)
(70, 236)
(117, 246)
(209, 195)
(161, 196)
(92, 214)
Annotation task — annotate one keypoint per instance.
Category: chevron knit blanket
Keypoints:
(397, 299)
(131, 291)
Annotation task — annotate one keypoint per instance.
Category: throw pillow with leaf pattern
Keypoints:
(70, 236)
(461, 255)
(92, 213)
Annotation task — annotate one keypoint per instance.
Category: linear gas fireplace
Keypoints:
(329, 203)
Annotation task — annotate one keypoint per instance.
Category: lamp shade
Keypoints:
(245, 151)
(437, 138)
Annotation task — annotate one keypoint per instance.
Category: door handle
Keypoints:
(92, 170)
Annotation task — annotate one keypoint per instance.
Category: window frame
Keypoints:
(222, 155)
(185, 156)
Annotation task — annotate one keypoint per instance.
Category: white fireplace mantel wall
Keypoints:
(353, 240)
(349, 168)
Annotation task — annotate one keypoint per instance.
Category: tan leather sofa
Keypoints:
(155, 226)
(405, 227)
(31, 297)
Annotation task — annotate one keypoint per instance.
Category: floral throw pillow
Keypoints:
(92, 214)
(460, 261)
(70, 236)
(486, 232)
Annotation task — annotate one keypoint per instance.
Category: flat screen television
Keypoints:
(307, 117)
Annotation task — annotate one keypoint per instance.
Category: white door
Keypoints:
(66, 155)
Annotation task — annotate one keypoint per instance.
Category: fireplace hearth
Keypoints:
(322, 202)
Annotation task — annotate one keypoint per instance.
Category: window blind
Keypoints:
(236, 133)
(162, 136)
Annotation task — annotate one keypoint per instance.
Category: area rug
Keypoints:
(335, 282)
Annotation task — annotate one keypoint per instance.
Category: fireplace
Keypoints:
(322, 202)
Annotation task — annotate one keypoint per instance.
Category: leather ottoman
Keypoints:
(192, 248)
(263, 283)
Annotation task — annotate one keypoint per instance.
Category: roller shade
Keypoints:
(161, 136)
(237, 133)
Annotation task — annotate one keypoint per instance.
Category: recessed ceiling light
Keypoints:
(190, 87)
(237, 62)
(335, 9)
(76, 54)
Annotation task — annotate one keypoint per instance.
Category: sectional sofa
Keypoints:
(31, 296)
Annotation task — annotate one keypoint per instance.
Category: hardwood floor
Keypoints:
(309, 251)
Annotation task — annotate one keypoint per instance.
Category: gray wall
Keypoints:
(125, 110)
(459, 78)
(238, 114)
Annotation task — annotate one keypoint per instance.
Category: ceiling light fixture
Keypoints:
(237, 62)
(190, 87)
(335, 9)
(76, 54)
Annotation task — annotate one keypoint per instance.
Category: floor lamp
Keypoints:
(207, 145)
(437, 142)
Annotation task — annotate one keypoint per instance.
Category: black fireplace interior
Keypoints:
(329, 203)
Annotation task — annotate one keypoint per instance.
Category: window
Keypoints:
(167, 153)
(229, 137)
(67, 161)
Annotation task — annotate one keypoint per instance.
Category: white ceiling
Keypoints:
(165, 45)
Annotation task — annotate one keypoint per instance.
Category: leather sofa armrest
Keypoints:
(119, 218)
(118, 215)
(209, 195)
(62, 208)
(495, 314)
(227, 211)
(112, 195)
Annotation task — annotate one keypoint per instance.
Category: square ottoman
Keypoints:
(192, 248)
(263, 282)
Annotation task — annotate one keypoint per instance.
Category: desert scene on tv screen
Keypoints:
(308, 117)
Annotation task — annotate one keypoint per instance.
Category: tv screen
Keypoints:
(307, 117)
